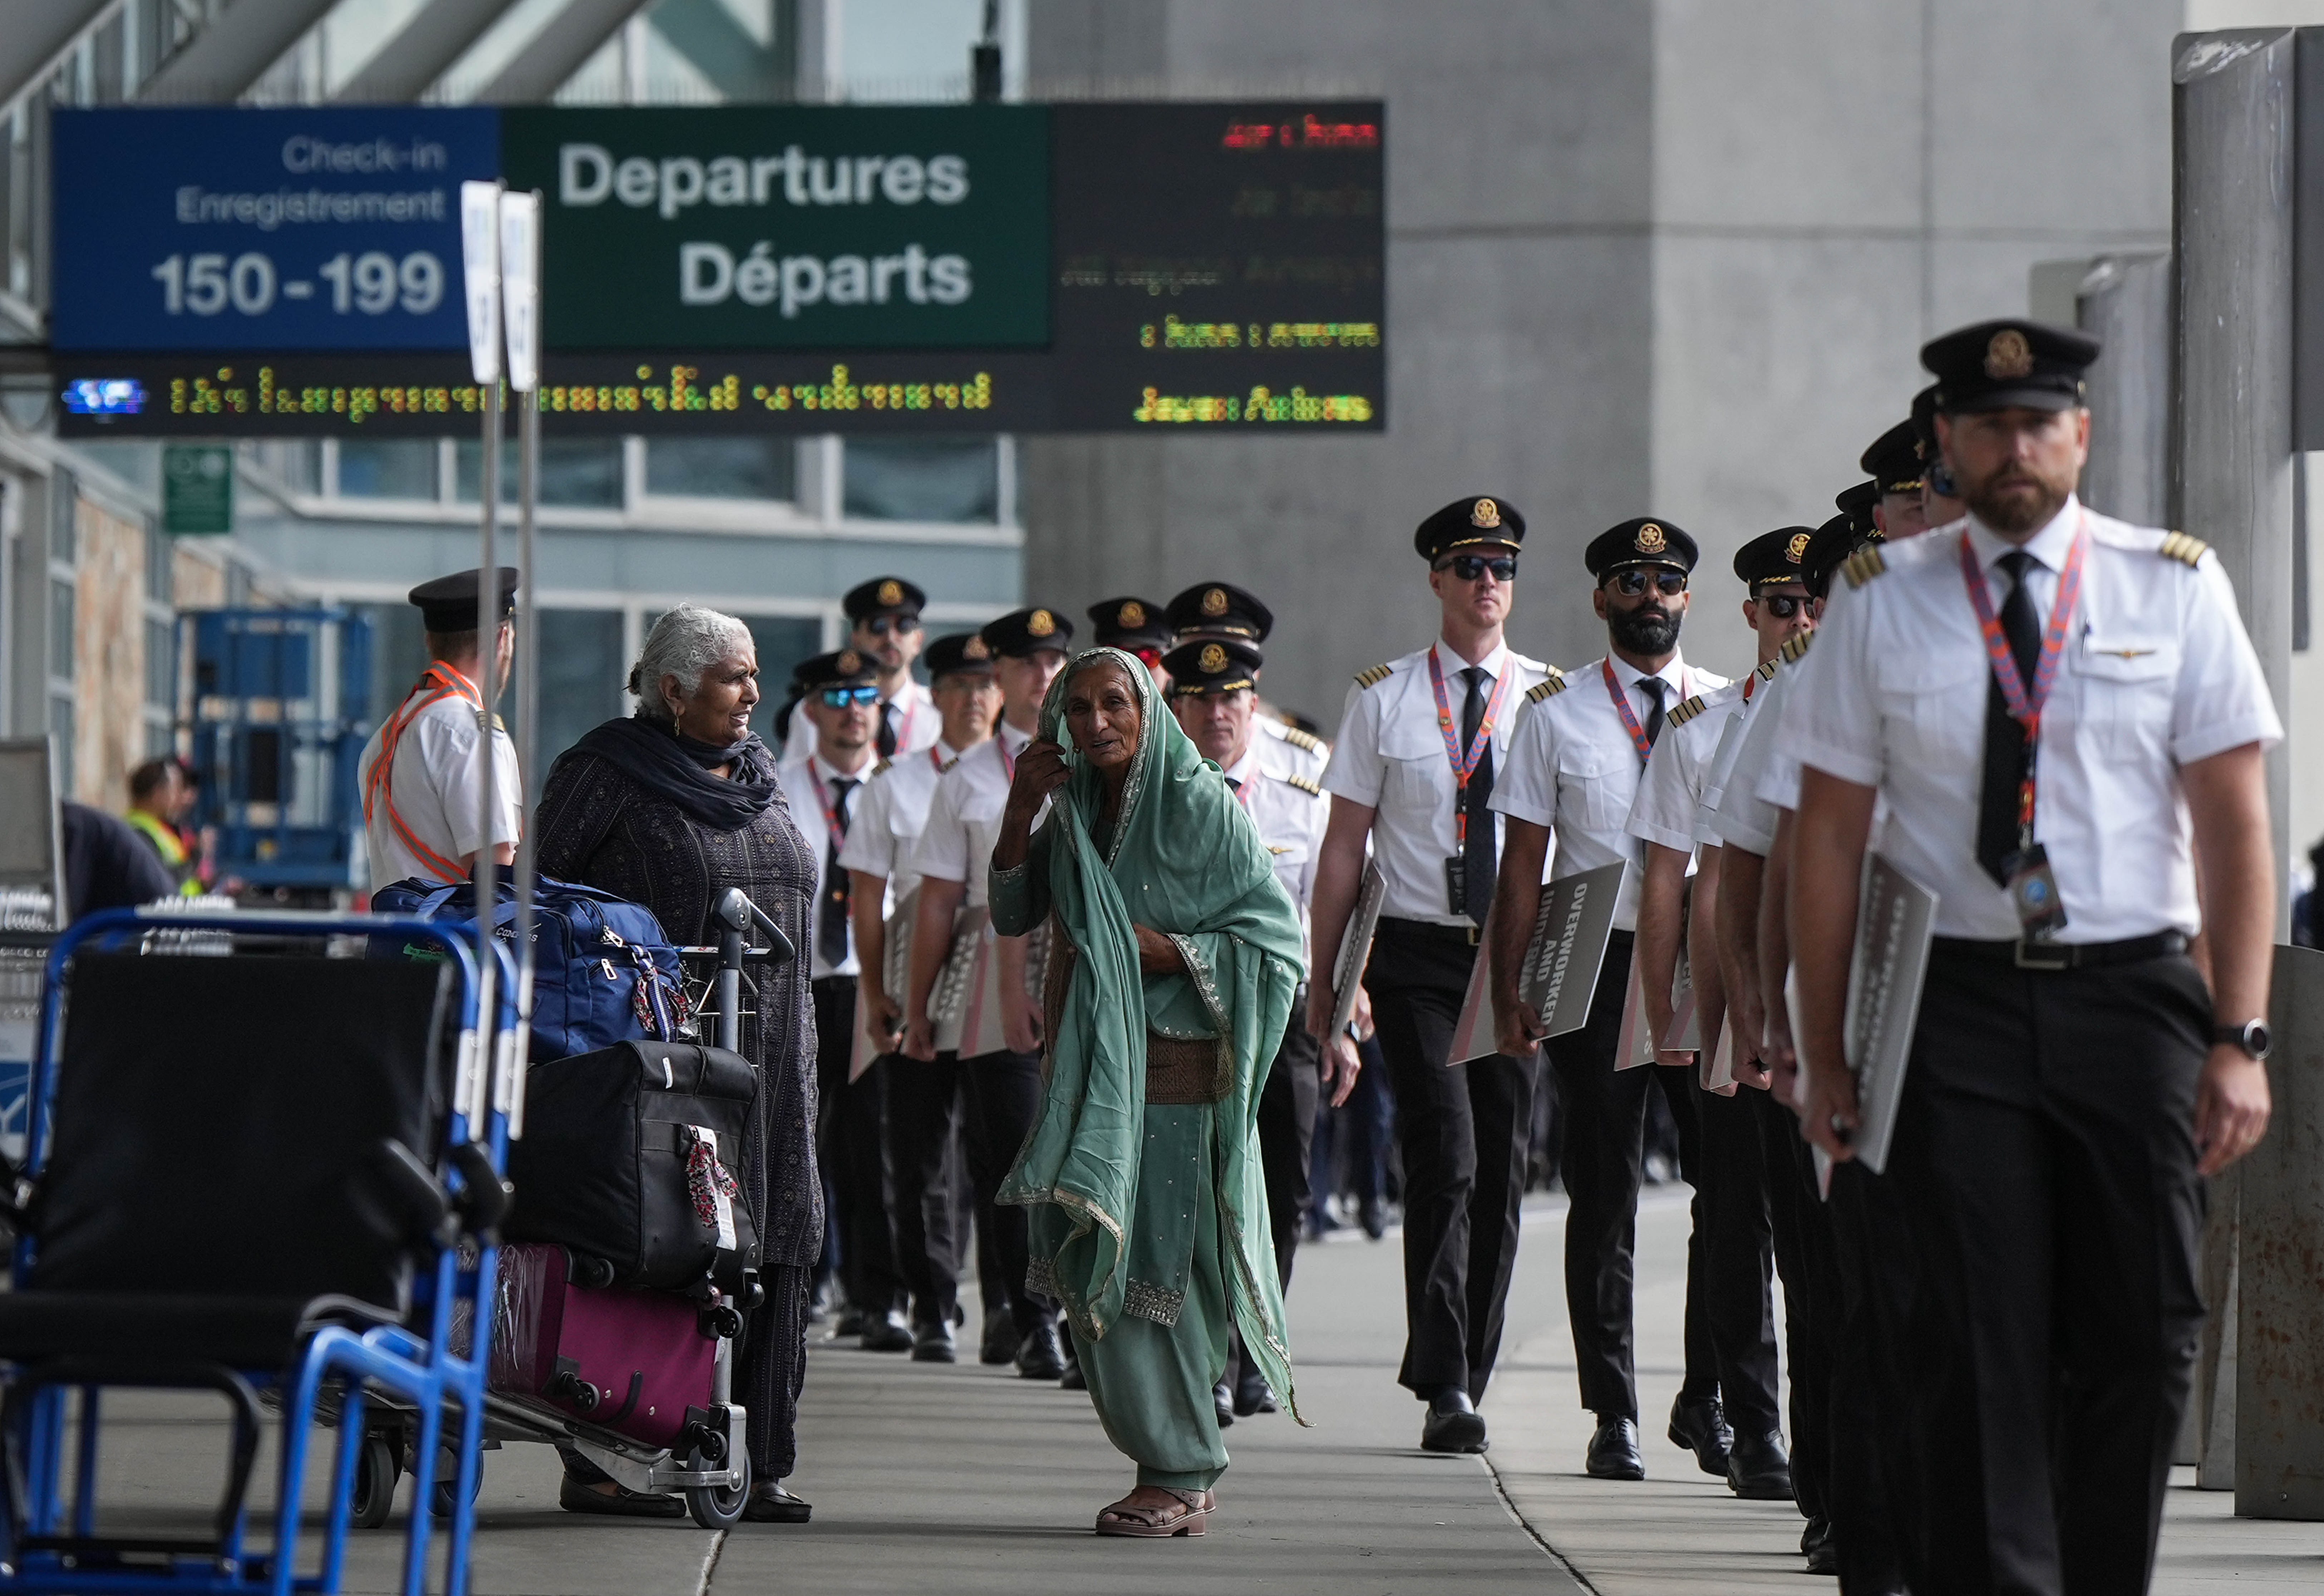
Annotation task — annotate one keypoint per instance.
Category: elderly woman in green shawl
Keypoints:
(1173, 958)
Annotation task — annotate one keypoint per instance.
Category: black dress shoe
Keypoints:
(1701, 1428)
(576, 1497)
(934, 1344)
(1072, 1380)
(1823, 1557)
(1038, 1355)
(1759, 1469)
(1222, 1403)
(998, 1343)
(1453, 1423)
(1818, 1531)
(1614, 1450)
(772, 1504)
(851, 1322)
(887, 1333)
(1375, 1222)
(1252, 1395)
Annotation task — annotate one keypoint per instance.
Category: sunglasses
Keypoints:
(1634, 581)
(1939, 480)
(882, 625)
(840, 697)
(1783, 605)
(1469, 566)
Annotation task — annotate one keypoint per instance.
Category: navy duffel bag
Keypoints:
(603, 972)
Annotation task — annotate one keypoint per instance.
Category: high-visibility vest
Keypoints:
(441, 681)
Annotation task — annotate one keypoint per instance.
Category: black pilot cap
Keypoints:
(1467, 524)
(882, 595)
(1128, 623)
(1832, 543)
(1211, 665)
(2003, 364)
(1645, 541)
(958, 653)
(841, 668)
(1020, 633)
(1219, 609)
(1773, 558)
(448, 603)
(1893, 460)
(1856, 504)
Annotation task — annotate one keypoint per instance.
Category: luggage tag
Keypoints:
(713, 1188)
(2033, 892)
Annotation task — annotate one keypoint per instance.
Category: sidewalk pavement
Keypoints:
(967, 1480)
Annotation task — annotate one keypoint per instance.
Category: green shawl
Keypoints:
(1186, 859)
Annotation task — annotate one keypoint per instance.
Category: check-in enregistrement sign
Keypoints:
(317, 228)
(782, 226)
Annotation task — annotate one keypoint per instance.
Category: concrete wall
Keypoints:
(1645, 256)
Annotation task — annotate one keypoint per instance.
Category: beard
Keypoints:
(2014, 501)
(1648, 630)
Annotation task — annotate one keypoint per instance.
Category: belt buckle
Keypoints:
(1476, 933)
(2044, 955)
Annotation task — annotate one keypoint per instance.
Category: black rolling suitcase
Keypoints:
(631, 1156)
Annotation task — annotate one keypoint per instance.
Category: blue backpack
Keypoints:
(603, 972)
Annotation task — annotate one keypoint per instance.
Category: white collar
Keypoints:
(2050, 545)
(1449, 661)
(1630, 676)
(1247, 768)
(944, 751)
(1013, 740)
(826, 772)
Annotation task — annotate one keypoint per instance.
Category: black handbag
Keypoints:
(630, 1155)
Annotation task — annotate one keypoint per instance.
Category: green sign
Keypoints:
(196, 488)
(790, 227)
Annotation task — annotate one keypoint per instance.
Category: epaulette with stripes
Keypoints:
(1374, 676)
(1796, 647)
(1862, 566)
(1548, 689)
(1765, 671)
(882, 767)
(1305, 784)
(1300, 737)
(2181, 548)
(949, 763)
(1686, 711)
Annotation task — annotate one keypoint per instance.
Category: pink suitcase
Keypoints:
(627, 1361)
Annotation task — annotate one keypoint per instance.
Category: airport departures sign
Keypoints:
(1089, 267)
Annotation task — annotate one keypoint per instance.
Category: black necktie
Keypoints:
(831, 919)
(2005, 736)
(1479, 857)
(887, 738)
(1233, 785)
(1653, 687)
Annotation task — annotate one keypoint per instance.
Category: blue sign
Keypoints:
(305, 228)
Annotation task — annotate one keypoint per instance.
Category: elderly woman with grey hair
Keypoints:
(669, 808)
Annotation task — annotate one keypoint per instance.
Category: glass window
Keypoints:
(60, 729)
(399, 654)
(60, 629)
(581, 675)
(387, 468)
(954, 479)
(579, 473)
(782, 641)
(161, 661)
(161, 567)
(722, 467)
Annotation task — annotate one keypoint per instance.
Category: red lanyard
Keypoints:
(830, 813)
(1008, 760)
(935, 763)
(1749, 682)
(1622, 707)
(1464, 765)
(1242, 792)
(904, 732)
(2025, 705)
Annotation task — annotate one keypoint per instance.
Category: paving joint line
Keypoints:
(710, 1562)
(1509, 1506)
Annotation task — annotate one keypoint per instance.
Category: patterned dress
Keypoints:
(600, 827)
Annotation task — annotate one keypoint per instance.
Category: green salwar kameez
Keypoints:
(1148, 1204)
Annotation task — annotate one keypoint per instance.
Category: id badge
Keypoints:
(1456, 883)
(2033, 892)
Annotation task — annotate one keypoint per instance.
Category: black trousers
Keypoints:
(1605, 1112)
(1754, 1219)
(1869, 1391)
(1463, 1132)
(2044, 1163)
(848, 1144)
(999, 1094)
(1287, 1133)
(922, 1100)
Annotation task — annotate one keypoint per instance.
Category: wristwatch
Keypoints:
(2252, 1035)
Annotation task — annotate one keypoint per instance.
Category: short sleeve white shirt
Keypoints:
(1390, 757)
(2157, 673)
(1671, 786)
(808, 789)
(965, 815)
(1291, 813)
(889, 814)
(1574, 766)
(432, 788)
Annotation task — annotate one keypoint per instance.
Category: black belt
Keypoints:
(2065, 956)
(1463, 936)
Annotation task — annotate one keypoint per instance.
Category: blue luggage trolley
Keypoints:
(251, 1172)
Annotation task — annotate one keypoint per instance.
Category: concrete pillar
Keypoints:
(2231, 460)
(2125, 302)
(2278, 1374)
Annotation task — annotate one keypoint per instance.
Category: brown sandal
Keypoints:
(1126, 1518)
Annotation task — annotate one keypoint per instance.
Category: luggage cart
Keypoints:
(711, 1467)
(333, 1254)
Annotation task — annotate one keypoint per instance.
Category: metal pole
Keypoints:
(528, 726)
(487, 874)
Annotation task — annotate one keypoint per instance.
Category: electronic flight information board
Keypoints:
(1099, 267)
